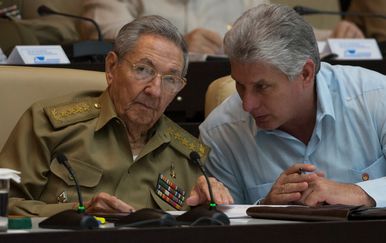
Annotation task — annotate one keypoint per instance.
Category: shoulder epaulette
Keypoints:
(185, 142)
(64, 114)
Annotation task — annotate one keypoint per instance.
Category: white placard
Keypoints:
(323, 47)
(355, 49)
(52, 54)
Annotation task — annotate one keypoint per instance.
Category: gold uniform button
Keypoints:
(365, 177)
(97, 105)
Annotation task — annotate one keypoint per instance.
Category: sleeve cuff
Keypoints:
(375, 189)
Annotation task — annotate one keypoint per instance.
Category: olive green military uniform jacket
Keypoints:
(87, 130)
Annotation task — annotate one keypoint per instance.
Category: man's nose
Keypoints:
(154, 86)
(250, 102)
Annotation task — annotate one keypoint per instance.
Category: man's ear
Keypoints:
(111, 63)
(308, 73)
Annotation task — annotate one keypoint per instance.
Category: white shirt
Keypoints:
(348, 142)
(186, 15)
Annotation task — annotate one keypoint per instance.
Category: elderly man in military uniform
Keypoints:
(125, 153)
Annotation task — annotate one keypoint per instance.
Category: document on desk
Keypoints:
(319, 213)
(232, 211)
(235, 210)
(240, 210)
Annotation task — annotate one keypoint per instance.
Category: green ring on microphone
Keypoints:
(81, 209)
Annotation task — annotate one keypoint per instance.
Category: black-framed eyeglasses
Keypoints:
(146, 73)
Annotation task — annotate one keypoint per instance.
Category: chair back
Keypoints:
(21, 86)
(217, 92)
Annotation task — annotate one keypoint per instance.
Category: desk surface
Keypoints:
(251, 230)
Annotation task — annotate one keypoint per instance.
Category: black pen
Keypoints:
(300, 171)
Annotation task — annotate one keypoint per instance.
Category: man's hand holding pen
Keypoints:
(302, 184)
(325, 191)
(290, 185)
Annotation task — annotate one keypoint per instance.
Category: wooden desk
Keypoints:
(352, 231)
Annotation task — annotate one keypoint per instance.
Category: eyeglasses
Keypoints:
(145, 73)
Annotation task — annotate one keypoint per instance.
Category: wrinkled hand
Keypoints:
(105, 203)
(200, 192)
(290, 185)
(204, 41)
(346, 29)
(322, 190)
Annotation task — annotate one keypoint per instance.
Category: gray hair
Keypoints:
(273, 34)
(152, 24)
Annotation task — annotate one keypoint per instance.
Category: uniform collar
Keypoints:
(107, 108)
(107, 113)
(158, 135)
(325, 105)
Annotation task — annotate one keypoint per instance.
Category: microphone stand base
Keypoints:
(69, 219)
(204, 215)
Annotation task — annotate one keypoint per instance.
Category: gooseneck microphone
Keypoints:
(62, 159)
(87, 50)
(70, 219)
(43, 10)
(195, 158)
(203, 215)
(301, 10)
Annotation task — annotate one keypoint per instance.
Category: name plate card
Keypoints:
(52, 54)
(355, 49)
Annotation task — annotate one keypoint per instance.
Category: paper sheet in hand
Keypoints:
(232, 211)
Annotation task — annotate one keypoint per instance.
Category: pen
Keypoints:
(300, 171)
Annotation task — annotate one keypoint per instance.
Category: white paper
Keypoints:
(234, 211)
(240, 210)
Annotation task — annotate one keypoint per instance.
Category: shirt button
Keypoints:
(97, 105)
(365, 177)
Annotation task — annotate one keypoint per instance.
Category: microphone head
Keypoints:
(300, 10)
(69, 219)
(305, 10)
(44, 10)
(61, 158)
(194, 156)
